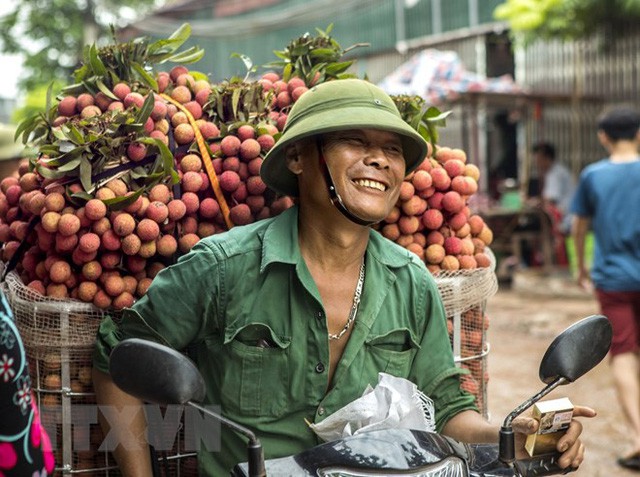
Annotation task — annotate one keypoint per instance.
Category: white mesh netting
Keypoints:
(464, 289)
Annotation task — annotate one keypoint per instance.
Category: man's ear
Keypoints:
(604, 139)
(294, 159)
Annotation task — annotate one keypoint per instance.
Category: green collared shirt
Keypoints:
(252, 284)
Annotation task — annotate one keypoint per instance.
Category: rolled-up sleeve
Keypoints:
(178, 309)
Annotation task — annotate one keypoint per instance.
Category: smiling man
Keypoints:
(291, 318)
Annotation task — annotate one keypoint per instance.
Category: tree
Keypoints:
(566, 19)
(51, 34)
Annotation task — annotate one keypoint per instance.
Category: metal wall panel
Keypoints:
(592, 74)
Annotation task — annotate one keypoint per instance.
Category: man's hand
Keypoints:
(569, 445)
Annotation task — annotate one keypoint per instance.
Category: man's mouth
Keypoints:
(370, 184)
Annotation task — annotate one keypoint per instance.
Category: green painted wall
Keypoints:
(374, 22)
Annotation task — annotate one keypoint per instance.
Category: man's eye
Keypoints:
(354, 141)
(394, 150)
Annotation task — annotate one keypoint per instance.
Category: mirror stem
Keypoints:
(254, 448)
(507, 441)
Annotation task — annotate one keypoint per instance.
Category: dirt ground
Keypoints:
(524, 319)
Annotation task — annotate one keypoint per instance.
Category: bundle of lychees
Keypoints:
(134, 169)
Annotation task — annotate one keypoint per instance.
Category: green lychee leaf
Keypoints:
(146, 78)
(49, 173)
(335, 69)
(106, 91)
(191, 55)
(118, 203)
(96, 63)
(70, 166)
(85, 173)
(82, 195)
(146, 109)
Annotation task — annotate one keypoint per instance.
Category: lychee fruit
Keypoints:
(187, 241)
(183, 134)
(191, 181)
(89, 242)
(136, 151)
(240, 214)
(110, 240)
(121, 90)
(191, 162)
(229, 180)
(230, 145)
(452, 202)
(432, 219)
(104, 193)
(60, 271)
(191, 202)
(181, 94)
(166, 245)
(124, 224)
(131, 244)
(67, 106)
(158, 211)
(160, 192)
(249, 149)
(176, 209)
(69, 224)
(147, 230)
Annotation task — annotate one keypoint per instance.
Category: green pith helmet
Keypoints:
(337, 106)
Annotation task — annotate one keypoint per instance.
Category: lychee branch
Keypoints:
(206, 160)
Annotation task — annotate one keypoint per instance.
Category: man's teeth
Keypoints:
(371, 184)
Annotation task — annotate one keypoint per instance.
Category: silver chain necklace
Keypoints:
(354, 308)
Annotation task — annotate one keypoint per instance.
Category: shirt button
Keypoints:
(320, 315)
(319, 368)
(320, 411)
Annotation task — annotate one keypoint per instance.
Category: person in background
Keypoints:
(25, 448)
(607, 200)
(557, 189)
(292, 317)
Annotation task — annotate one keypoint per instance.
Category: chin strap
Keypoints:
(336, 200)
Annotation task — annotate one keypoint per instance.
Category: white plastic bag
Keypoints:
(395, 403)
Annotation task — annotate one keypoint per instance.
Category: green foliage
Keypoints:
(58, 29)
(314, 59)
(566, 19)
(423, 118)
(237, 101)
(130, 62)
(92, 150)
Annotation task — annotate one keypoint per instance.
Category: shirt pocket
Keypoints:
(256, 364)
(392, 352)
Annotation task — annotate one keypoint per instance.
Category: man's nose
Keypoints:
(376, 156)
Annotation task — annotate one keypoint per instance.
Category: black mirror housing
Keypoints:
(155, 373)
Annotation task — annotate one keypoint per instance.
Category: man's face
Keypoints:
(367, 166)
(543, 163)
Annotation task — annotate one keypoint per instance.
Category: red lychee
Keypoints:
(158, 211)
(147, 230)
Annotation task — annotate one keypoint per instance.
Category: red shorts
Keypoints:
(622, 308)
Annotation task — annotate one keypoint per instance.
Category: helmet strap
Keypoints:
(335, 198)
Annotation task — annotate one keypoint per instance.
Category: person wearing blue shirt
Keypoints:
(606, 200)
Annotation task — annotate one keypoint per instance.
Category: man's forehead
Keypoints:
(372, 132)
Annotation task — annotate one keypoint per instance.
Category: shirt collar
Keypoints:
(280, 244)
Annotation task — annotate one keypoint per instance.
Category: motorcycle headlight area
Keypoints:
(449, 467)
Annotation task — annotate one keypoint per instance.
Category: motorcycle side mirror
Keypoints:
(573, 353)
(155, 373)
(158, 374)
(577, 350)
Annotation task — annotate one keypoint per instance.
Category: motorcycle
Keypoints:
(161, 375)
